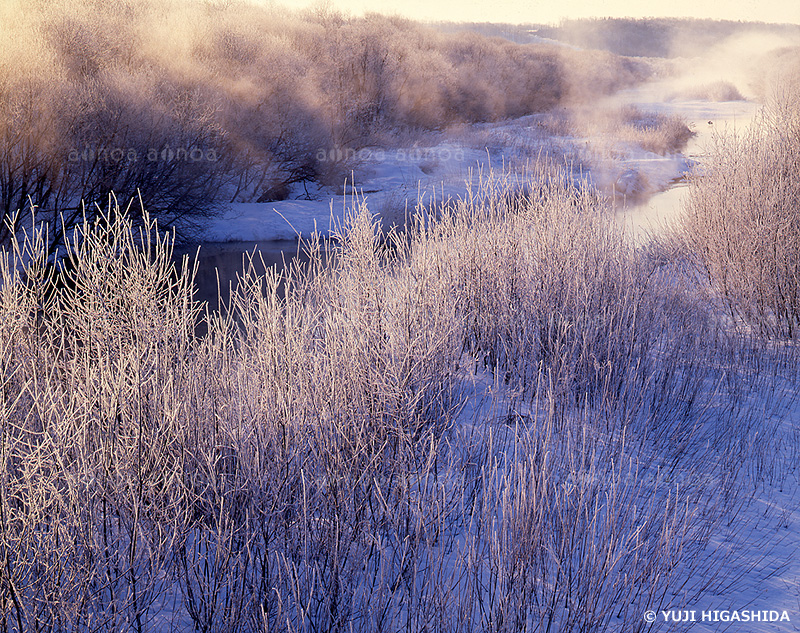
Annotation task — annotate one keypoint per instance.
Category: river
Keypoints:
(258, 226)
(708, 120)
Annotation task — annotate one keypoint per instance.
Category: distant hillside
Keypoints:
(652, 37)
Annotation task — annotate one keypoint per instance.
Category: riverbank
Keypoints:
(645, 188)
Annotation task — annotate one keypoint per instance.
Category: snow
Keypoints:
(389, 182)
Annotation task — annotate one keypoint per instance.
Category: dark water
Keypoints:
(221, 263)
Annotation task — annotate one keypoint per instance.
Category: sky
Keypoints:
(552, 11)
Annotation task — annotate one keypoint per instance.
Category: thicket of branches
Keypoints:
(195, 103)
(330, 456)
(742, 220)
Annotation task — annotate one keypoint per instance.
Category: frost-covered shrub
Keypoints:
(652, 131)
(549, 289)
(741, 221)
(475, 426)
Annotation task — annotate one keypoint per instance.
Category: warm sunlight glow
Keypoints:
(520, 11)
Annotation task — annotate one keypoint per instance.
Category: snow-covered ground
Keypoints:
(391, 182)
